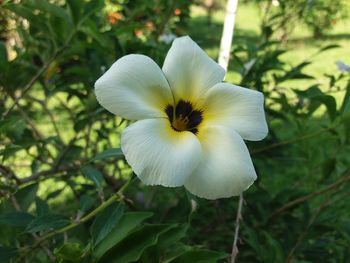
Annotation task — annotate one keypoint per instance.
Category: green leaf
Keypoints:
(76, 7)
(275, 248)
(329, 47)
(106, 221)
(314, 94)
(115, 152)
(23, 11)
(41, 207)
(328, 167)
(93, 174)
(87, 202)
(9, 151)
(16, 219)
(345, 107)
(132, 247)
(166, 244)
(199, 256)
(6, 253)
(54, 10)
(26, 196)
(172, 235)
(295, 73)
(3, 55)
(69, 251)
(46, 222)
(127, 223)
(91, 8)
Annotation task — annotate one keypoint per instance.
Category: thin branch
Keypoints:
(238, 219)
(289, 258)
(38, 74)
(302, 199)
(47, 173)
(286, 142)
(9, 173)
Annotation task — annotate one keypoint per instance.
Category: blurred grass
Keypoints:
(301, 44)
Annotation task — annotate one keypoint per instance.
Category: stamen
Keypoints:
(185, 118)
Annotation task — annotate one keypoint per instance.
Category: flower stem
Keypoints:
(235, 240)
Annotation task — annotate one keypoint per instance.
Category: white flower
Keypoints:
(342, 66)
(190, 126)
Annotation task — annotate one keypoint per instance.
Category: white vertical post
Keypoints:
(227, 34)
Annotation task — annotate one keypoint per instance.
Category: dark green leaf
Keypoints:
(328, 167)
(41, 207)
(345, 107)
(314, 94)
(26, 196)
(329, 47)
(127, 223)
(52, 9)
(76, 8)
(131, 248)
(172, 235)
(46, 222)
(199, 256)
(93, 174)
(166, 244)
(3, 55)
(9, 151)
(6, 253)
(91, 7)
(87, 202)
(115, 152)
(106, 221)
(16, 219)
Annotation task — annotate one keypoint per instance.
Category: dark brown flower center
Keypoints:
(184, 117)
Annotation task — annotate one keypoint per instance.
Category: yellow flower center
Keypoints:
(184, 117)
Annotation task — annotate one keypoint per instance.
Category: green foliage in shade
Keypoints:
(47, 222)
(93, 174)
(132, 247)
(105, 222)
(42, 207)
(76, 8)
(345, 107)
(200, 256)
(71, 252)
(317, 97)
(26, 196)
(63, 176)
(115, 153)
(6, 253)
(16, 219)
(126, 224)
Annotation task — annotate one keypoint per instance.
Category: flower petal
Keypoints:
(225, 169)
(189, 70)
(239, 108)
(158, 154)
(134, 88)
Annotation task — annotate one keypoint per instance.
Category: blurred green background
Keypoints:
(59, 150)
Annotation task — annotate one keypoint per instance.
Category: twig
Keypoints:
(313, 194)
(289, 257)
(235, 240)
(46, 173)
(38, 74)
(9, 173)
(302, 138)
